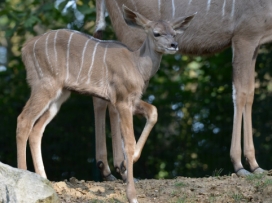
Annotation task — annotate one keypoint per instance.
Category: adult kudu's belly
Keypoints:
(210, 31)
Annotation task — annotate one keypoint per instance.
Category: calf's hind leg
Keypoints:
(35, 137)
(100, 107)
(37, 104)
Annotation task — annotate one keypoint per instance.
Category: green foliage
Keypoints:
(180, 184)
(254, 177)
(218, 172)
(192, 94)
(259, 181)
(237, 197)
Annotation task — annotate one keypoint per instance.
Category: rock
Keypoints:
(234, 175)
(73, 180)
(21, 186)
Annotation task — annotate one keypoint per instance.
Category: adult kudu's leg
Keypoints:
(35, 136)
(100, 23)
(244, 58)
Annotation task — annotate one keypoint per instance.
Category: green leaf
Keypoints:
(48, 7)
(85, 9)
(3, 12)
(31, 21)
(62, 5)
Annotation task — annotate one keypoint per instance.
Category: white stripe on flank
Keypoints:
(105, 66)
(67, 56)
(233, 8)
(159, 8)
(208, 5)
(223, 8)
(36, 61)
(82, 58)
(46, 52)
(173, 9)
(56, 53)
(190, 1)
(90, 70)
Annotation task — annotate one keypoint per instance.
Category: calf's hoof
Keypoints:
(109, 177)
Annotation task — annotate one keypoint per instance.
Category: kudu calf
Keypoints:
(61, 61)
(243, 24)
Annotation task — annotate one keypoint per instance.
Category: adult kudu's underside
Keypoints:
(242, 24)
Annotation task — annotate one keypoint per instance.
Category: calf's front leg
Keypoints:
(126, 125)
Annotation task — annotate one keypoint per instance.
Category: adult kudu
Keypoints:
(61, 61)
(242, 24)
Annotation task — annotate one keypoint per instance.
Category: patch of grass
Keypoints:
(181, 200)
(212, 199)
(97, 201)
(106, 201)
(261, 184)
(259, 180)
(254, 177)
(180, 184)
(174, 193)
(217, 172)
(237, 197)
(267, 182)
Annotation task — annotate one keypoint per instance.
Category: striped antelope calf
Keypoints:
(64, 60)
(242, 24)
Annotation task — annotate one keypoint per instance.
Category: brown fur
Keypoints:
(63, 60)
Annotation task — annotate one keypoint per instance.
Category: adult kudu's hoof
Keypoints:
(259, 171)
(243, 172)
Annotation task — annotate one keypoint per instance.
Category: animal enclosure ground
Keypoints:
(255, 188)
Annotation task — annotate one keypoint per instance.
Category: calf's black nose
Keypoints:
(174, 45)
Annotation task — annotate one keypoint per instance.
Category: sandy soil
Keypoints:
(255, 188)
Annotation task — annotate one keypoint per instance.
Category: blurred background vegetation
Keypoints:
(192, 94)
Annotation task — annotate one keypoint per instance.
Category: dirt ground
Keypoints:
(255, 188)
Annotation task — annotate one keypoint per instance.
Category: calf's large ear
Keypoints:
(182, 23)
(135, 19)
